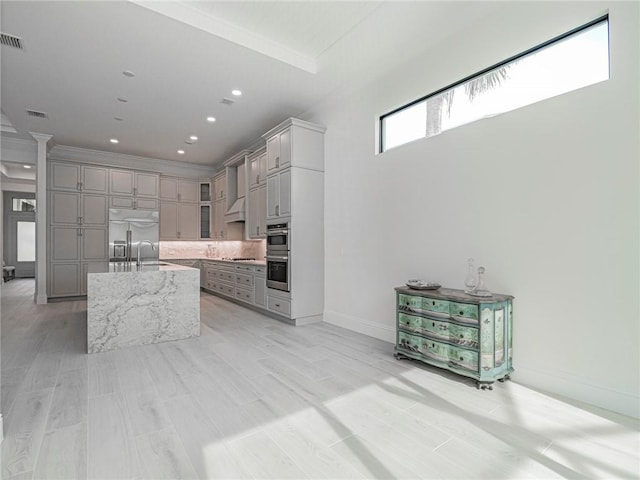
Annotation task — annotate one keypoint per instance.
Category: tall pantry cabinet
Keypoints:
(78, 225)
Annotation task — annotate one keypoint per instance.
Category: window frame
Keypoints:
(601, 19)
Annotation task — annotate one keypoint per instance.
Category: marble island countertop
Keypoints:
(131, 267)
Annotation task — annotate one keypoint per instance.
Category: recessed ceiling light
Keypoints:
(114, 140)
(237, 93)
(211, 119)
(118, 118)
(181, 152)
(123, 100)
(27, 166)
(193, 137)
(128, 73)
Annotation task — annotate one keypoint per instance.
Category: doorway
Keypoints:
(20, 232)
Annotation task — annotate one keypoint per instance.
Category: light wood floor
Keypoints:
(255, 398)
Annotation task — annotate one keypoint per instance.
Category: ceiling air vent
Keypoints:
(37, 114)
(11, 41)
(227, 101)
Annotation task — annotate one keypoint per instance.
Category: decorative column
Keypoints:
(41, 217)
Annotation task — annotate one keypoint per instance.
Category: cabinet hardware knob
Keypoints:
(461, 313)
(277, 304)
(433, 303)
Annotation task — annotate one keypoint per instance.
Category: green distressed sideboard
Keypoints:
(471, 336)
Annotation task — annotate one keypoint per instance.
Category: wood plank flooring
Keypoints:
(256, 398)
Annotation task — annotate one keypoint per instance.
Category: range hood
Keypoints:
(236, 213)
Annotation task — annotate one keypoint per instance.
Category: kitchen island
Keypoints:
(138, 305)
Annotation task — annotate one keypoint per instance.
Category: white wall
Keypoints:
(545, 197)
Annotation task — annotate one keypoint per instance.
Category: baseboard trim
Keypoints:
(575, 388)
(375, 330)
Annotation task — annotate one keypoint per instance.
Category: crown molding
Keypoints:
(294, 122)
(98, 157)
(18, 150)
(237, 158)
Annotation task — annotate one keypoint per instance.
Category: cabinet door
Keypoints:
(94, 242)
(147, 184)
(187, 221)
(205, 221)
(64, 279)
(262, 211)
(169, 188)
(121, 182)
(94, 179)
(65, 208)
(122, 202)
(220, 186)
(188, 190)
(65, 244)
(168, 221)
(205, 191)
(220, 224)
(273, 195)
(253, 225)
(260, 291)
(273, 153)
(285, 149)
(144, 203)
(284, 207)
(94, 210)
(64, 177)
(262, 171)
(254, 173)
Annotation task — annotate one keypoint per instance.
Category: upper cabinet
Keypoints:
(78, 178)
(220, 186)
(128, 182)
(183, 190)
(295, 143)
(258, 168)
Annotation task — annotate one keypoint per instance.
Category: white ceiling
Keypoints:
(188, 56)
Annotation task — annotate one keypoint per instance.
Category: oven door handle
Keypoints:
(277, 232)
(277, 257)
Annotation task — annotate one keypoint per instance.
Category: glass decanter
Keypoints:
(480, 290)
(471, 279)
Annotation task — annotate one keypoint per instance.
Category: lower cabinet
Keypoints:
(64, 279)
(471, 336)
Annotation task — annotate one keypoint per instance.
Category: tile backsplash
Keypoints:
(213, 249)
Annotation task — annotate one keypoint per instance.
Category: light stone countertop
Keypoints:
(125, 267)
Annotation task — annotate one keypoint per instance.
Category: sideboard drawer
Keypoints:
(436, 329)
(410, 323)
(464, 312)
(411, 302)
(437, 307)
(464, 358)
(467, 336)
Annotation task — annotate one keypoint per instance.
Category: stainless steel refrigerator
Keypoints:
(127, 228)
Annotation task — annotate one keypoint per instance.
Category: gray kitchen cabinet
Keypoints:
(179, 189)
(64, 243)
(94, 179)
(64, 176)
(178, 221)
(279, 151)
(258, 169)
(134, 203)
(220, 186)
(95, 243)
(129, 182)
(77, 208)
(187, 221)
(64, 279)
(256, 225)
(168, 221)
(260, 287)
(279, 195)
(121, 182)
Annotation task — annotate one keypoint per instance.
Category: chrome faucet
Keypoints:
(138, 263)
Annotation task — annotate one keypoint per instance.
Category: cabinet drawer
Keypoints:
(411, 343)
(436, 329)
(410, 302)
(464, 312)
(242, 279)
(229, 290)
(410, 323)
(461, 335)
(434, 306)
(244, 295)
(260, 271)
(279, 305)
(463, 358)
(244, 268)
(227, 276)
(210, 274)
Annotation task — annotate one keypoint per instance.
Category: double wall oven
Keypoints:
(278, 250)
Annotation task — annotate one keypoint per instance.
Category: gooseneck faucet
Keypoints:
(138, 263)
